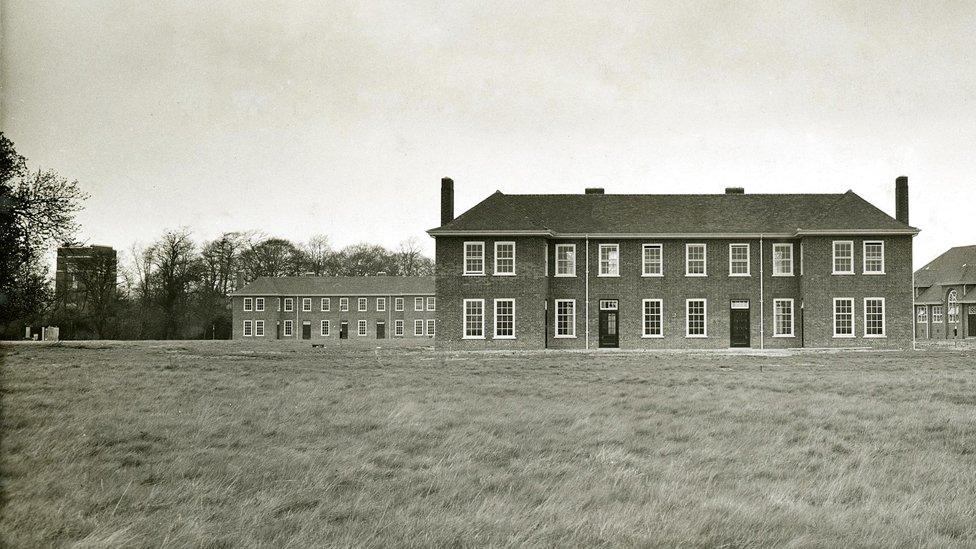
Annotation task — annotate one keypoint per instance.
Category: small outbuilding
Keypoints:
(945, 296)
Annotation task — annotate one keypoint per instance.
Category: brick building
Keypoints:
(81, 270)
(674, 271)
(945, 296)
(330, 309)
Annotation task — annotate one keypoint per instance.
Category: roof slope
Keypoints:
(338, 285)
(955, 266)
(673, 214)
(931, 296)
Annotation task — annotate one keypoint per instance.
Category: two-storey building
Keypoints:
(674, 271)
(331, 309)
(945, 296)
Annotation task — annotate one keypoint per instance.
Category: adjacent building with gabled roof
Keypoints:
(326, 309)
(945, 296)
(674, 271)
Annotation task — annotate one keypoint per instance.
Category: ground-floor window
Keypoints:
(696, 318)
(504, 319)
(288, 328)
(398, 328)
(248, 328)
(843, 317)
(418, 327)
(653, 318)
(565, 318)
(782, 318)
(361, 327)
(474, 319)
(324, 328)
(259, 328)
(430, 327)
(922, 315)
(874, 317)
(937, 314)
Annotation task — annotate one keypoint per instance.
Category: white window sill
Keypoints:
(700, 275)
(873, 273)
(844, 336)
(782, 275)
(564, 275)
(746, 275)
(783, 335)
(504, 337)
(607, 275)
(504, 274)
(652, 336)
(473, 274)
(705, 336)
(564, 337)
(659, 275)
(462, 337)
(875, 336)
(842, 273)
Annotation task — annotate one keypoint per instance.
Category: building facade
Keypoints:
(81, 270)
(945, 296)
(674, 271)
(334, 309)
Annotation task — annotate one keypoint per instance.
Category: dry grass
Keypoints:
(215, 444)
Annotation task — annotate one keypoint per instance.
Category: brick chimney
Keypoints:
(901, 199)
(447, 200)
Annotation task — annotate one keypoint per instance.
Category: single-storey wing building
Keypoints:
(329, 309)
(945, 296)
(590, 270)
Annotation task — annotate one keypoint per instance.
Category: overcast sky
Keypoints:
(341, 118)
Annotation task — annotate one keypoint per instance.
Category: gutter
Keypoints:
(587, 295)
(762, 308)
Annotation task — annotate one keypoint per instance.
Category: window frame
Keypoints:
(704, 259)
(325, 305)
(853, 333)
(660, 260)
(464, 319)
(558, 274)
(940, 317)
(952, 307)
(495, 317)
(599, 259)
(362, 328)
(398, 327)
(381, 304)
(572, 323)
(748, 259)
(431, 326)
(325, 328)
(248, 304)
(864, 257)
(289, 304)
(789, 246)
(248, 329)
(921, 314)
(398, 304)
(884, 319)
(418, 304)
(431, 303)
(343, 304)
(259, 304)
(306, 304)
(418, 322)
(704, 333)
(776, 302)
(287, 328)
(499, 243)
(259, 327)
(464, 258)
(644, 315)
(834, 257)
(362, 305)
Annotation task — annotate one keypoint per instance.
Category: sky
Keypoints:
(340, 118)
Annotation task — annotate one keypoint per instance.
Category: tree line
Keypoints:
(172, 288)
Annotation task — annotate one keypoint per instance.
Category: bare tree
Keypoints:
(176, 270)
(410, 259)
(317, 252)
(271, 257)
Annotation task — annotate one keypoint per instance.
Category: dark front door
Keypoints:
(739, 324)
(278, 331)
(972, 321)
(306, 330)
(608, 329)
(381, 330)
(344, 330)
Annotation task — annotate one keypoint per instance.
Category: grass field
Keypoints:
(220, 444)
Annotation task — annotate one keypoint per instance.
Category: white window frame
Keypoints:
(258, 328)
(289, 304)
(938, 318)
(748, 258)
(362, 328)
(431, 303)
(248, 304)
(380, 304)
(786, 245)
(306, 304)
(495, 317)
(464, 319)
(497, 245)
(398, 327)
(884, 320)
(362, 305)
(464, 258)
(704, 333)
(921, 314)
(431, 327)
(343, 304)
(248, 328)
(259, 304)
(418, 327)
(572, 319)
(287, 328)
(704, 259)
(864, 257)
(398, 304)
(326, 304)
(776, 324)
(325, 328)
(545, 259)
(610, 272)
(660, 260)
(570, 262)
(835, 257)
(644, 315)
(853, 333)
(418, 304)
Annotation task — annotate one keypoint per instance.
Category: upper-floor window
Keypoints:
(306, 304)
(259, 304)
(343, 304)
(874, 257)
(609, 260)
(248, 304)
(695, 255)
(504, 258)
(953, 306)
(381, 304)
(326, 304)
(363, 304)
(398, 303)
(474, 258)
(843, 257)
(418, 304)
(782, 260)
(738, 259)
(289, 304)
(431, 303)
(565, 259)
(652, 263)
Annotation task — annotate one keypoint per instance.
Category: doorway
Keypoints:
(343, 330)
(971, 321)
(381, 330)
(307, 329)
(609, 323)
(739, 323)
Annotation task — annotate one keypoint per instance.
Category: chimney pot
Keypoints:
(447, 200)
(901, 199)
(594, 190)
(735, 190)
